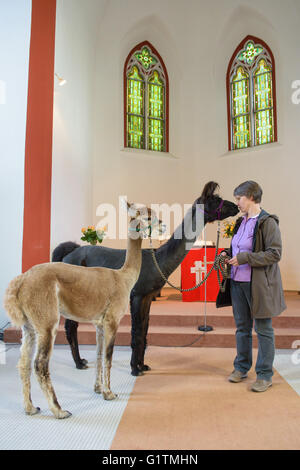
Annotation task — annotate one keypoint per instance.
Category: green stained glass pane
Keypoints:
(263, 87)
(249, 53)
(241, 132)
(135, 131)
(264, 127)
(145, 58)
(156, 96)
(240, 92)
(156, 135)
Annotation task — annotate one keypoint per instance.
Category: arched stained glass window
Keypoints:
(251, 95)
(146, 100)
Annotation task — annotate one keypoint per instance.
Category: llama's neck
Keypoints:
(173, 252)
(133, 260)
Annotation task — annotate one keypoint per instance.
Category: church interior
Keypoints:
(166, 103)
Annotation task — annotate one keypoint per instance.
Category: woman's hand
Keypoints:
(233, 261)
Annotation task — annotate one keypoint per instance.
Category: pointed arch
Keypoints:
(254, 97)
(146, 99)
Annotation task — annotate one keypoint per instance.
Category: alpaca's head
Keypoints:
(215, 208)
(143, 221)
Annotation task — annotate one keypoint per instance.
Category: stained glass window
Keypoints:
(251, 96)
(145, 101)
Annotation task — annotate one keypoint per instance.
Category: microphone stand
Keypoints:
(205, 327)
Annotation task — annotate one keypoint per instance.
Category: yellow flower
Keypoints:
(83, 229)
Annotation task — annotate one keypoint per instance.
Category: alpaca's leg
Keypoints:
(110, 331)
(99, 371)
(41, 364)
(24, 365)
(71, 334)
(137, 342)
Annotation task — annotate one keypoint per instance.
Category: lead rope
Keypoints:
(218, 265)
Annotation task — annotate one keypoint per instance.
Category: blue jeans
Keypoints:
(241, 303)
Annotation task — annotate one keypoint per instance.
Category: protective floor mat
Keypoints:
(93, 422)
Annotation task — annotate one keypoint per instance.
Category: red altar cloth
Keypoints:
(192, 272)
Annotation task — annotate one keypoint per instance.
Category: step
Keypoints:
(182, 319)
(175, 323)
(220, 337)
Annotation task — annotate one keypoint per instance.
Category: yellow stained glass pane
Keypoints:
(241, 132)
(264, 129)
(135, 132)
(240, 92)
(156, 96)
(263, 87)
(135, 108)
(156, 135)
(155, 113)
(263, 103)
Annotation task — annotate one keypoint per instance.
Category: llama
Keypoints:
(169, 256)
(35, 299)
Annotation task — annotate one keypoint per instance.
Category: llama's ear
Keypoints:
(209, 189)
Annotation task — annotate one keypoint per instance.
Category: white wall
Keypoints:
(76, 29)
(15, 22)
(196, 40)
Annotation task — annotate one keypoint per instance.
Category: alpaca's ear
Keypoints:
(209, 190)
(130, 208)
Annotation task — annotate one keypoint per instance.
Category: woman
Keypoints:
(255, 286)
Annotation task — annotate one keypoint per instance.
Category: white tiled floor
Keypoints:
(287, 364)
(94, 421)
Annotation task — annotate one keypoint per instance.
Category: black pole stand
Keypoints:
(205, 327)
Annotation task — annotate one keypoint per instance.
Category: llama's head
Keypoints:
(143, 221)
(215, 208)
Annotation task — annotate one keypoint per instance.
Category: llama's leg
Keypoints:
(137, 341)
(146, 312)
(99, 380)
(41, 364)
(110, 331)
(24, 365)
(72, 337)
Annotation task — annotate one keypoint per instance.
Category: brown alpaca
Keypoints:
(34, 300)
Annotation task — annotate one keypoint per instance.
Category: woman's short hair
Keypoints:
(250, 189)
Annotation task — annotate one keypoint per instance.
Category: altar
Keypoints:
(193, 271)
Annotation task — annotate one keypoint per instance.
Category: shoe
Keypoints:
(237, 376)
(261, 385)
